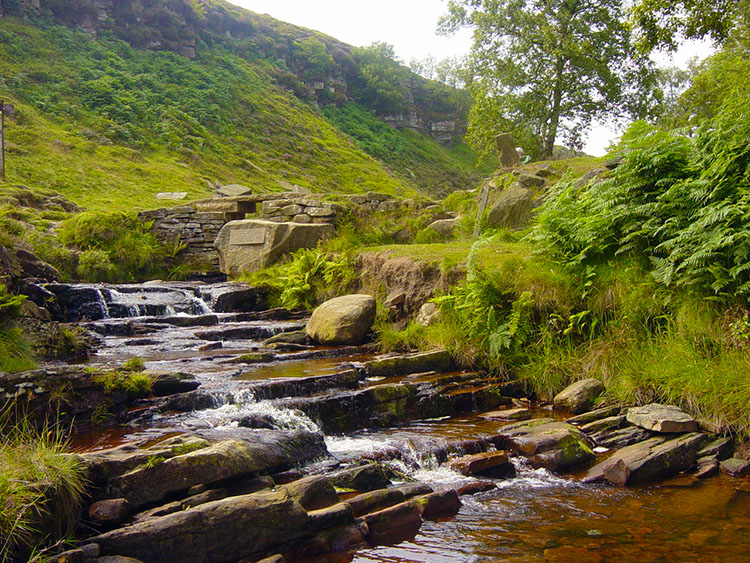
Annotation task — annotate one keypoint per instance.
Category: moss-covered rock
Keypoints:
(547, 443)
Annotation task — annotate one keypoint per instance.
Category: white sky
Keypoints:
(409, 25)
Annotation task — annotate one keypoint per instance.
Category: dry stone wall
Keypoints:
(197, 225)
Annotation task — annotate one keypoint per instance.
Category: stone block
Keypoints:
(249, 245)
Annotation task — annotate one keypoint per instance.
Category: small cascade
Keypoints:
(240, 409)
(102, 303)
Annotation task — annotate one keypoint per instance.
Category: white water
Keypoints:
(234, 407)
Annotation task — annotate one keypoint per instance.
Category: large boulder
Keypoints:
(342, 320)
(506, 150)
(514, 208)
(661, 418)
(579, 397)
(251, 244)
(444, 227)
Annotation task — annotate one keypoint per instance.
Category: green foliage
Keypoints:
(546, 67)
(110, 126)
(678, 204)
(134, 365)
(15, 351)
(10, 305)
(415, 158)
(114, 247)
(663, 23)
(134, 383)
(307, 277)
(41, 489)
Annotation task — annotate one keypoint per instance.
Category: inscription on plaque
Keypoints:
(253, 236)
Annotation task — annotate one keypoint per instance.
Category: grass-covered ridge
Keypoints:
(110, 126)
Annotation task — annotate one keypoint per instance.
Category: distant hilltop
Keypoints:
(313, 66)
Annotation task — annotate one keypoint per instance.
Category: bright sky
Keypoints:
(409, 25)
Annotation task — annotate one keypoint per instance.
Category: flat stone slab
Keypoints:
(609, 423)
(597, 414)
(508, 414)
(661, 418)
(234, 190)
(656, 458)
(622, 438)
(436, 360)
(735, 467)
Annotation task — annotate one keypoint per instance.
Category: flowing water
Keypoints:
(536, 516)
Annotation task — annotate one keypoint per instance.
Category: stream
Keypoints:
(537, 516)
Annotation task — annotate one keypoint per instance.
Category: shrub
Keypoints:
(115, 247)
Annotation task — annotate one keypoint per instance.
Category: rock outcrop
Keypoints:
(655, 458)
(547, 443)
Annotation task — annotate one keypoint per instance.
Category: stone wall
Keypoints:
(197, 225)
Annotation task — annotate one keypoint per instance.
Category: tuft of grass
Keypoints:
(41, 489)
(134, 383)
(134, 365)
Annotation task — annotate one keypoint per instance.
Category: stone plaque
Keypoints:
(251, 236)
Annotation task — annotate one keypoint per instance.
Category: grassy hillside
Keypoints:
(109, 126)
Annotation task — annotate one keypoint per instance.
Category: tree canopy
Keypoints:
(544, 69)
(663, 23)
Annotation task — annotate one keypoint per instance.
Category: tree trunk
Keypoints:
(554, 118)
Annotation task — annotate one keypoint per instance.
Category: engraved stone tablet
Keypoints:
(252, 236)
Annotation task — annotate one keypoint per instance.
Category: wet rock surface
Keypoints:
(268, 432)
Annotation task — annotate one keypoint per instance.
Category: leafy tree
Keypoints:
(385, 80)
(549, 67)
(663, 23)
(317, 61)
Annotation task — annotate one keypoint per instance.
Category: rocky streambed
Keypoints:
(257, 443)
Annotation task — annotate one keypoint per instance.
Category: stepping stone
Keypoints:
(556, 446)
(661, 418)
(707, 467)
(491, 464)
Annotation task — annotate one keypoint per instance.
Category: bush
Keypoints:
(679, 205)
(115, 247)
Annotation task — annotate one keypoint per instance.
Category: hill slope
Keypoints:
(108, 124)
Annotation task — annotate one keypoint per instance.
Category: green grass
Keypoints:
(41, 489)
(109, 127)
